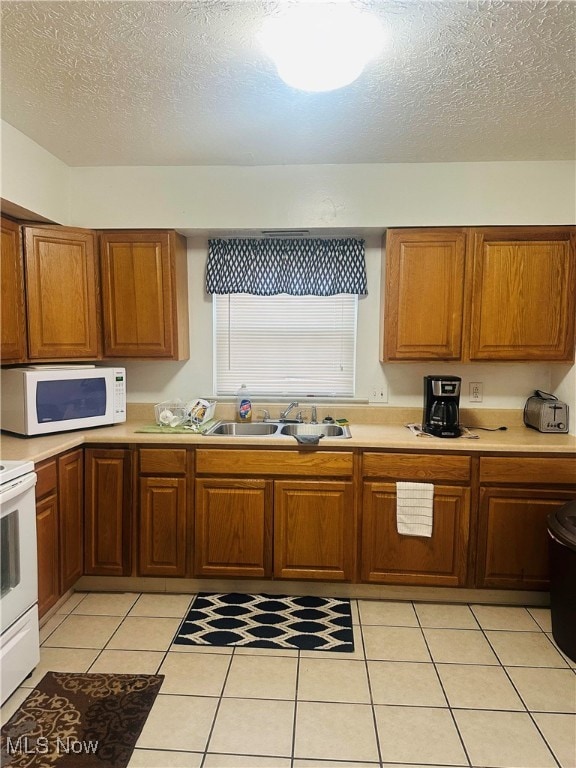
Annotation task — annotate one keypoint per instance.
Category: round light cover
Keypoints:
(321, 46)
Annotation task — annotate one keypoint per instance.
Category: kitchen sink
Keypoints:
(259, 429)
(327, 430)
(279, 429)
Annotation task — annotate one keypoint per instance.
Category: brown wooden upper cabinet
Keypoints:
(13, 328)
(144, 294)
(424, 294)
(61, 293)
(523, 293)
(494, 293)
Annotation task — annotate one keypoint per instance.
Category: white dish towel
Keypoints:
(414, 508)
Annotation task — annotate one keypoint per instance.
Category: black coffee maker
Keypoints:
(441, 416)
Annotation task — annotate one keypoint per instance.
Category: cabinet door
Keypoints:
(48, 568)
(62, 290)
(393, 558)
(314, 530)
(144, 294)
(162, 520)
(13, 328)
(108, 512)
(523, 298)
(71, 509)
(513, 536)
(424, 294)
(233, 528)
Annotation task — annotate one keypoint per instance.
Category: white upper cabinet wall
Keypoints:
(325, 196)
(312, 196)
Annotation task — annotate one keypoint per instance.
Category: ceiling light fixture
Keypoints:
(321, 46)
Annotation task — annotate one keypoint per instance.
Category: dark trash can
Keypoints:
(562, 536)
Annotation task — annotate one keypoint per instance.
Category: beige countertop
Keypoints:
(516, 439)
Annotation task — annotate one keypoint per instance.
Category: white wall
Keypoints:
(563, 385)
(357, 196)
(32, 178)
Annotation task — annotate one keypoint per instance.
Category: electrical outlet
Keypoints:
(476, 392)
(378, 393)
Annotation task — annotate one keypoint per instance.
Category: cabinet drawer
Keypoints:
(304, 463)
(47, 478)
(168, 461)
(408, 466)
(528, 471)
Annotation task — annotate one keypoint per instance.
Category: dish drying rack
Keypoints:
(177, 413)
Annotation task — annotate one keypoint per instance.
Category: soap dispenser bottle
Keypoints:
(243, 405)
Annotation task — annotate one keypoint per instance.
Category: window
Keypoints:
(285, 345)
(285, 314)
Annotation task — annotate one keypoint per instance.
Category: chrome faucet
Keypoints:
(313, 416)
(284, 415)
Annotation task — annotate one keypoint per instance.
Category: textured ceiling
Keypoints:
(185, 83)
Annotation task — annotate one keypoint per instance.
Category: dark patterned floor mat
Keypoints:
(268, 621)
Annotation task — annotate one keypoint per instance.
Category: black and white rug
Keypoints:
(268, 621)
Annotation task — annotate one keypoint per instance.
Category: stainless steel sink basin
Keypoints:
(279, 429)
(259, 429)
(327, 430)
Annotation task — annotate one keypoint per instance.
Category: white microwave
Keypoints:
(42, 399)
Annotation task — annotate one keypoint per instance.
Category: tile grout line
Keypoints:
(465, 749)
(105, 646)
(528, 712)
(372, 704)
(295, 715)
(217, 710)
(54, 615)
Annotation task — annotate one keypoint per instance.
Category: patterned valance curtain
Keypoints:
(303, 267)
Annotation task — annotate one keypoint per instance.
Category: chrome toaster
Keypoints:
(546, 413)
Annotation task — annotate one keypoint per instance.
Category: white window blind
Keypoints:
(285, 345)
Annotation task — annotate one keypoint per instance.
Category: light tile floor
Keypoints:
(428, 685)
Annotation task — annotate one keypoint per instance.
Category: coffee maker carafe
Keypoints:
(441, 416)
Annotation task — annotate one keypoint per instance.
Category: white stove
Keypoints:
(19, 638)
(10, 470)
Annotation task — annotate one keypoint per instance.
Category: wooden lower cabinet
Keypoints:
(283, 513)
(513, 536)
(59, 525)
(314, 530)
(517, 493)
(392, 558)
(162, 526)
(48, 558)
(162, 511)
(71, 510)
(298, 515)
(233, 527)
(108, 512)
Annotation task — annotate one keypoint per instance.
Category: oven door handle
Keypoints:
(15, 489)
